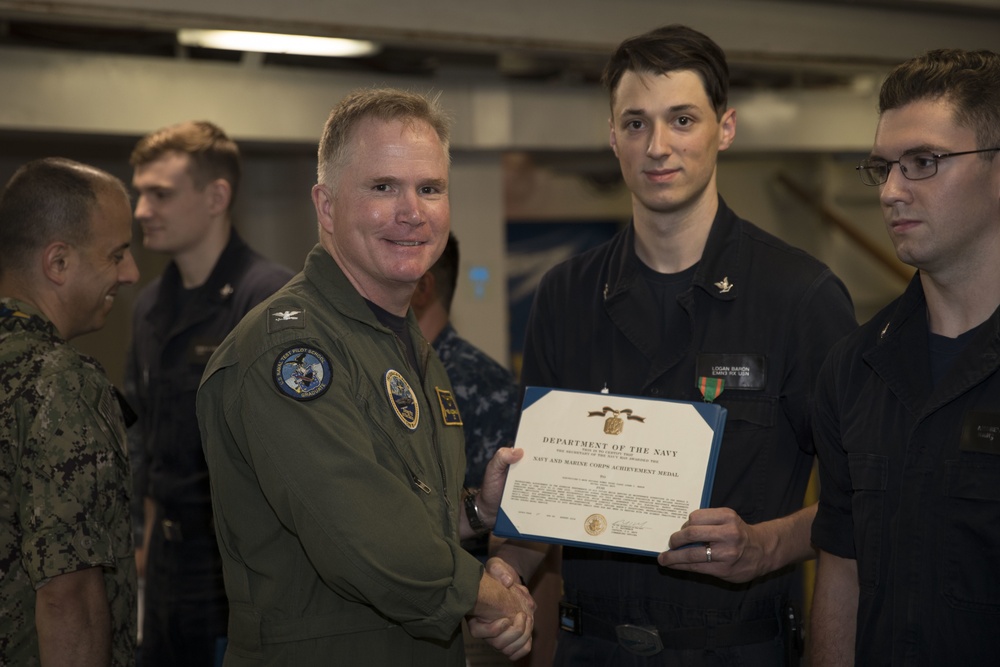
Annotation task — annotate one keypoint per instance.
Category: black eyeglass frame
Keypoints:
(865, 168)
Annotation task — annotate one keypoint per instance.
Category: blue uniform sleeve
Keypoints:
(833, 528)
(824, 316)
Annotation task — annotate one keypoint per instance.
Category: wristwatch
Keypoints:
(472, 513)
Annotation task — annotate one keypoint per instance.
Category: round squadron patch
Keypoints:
(403, 400)
(303, 373)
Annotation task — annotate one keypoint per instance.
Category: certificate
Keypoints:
(609, 472)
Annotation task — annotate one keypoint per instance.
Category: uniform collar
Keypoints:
(14, 311)
(329, 280)
(721, 271)
(218, 288)
(912, 305)
(901, 348)
(332, 284)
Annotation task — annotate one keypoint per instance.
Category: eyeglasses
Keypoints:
(915, 167)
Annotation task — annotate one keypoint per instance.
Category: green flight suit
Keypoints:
(336, 473)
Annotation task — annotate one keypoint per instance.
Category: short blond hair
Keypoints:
(384, 104)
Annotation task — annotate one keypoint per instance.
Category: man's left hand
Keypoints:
(493, 481)
(723, 546)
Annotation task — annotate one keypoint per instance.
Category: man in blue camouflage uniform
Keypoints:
(67, 569)
(485, 390)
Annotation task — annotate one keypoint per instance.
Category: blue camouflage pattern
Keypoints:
(487, 400)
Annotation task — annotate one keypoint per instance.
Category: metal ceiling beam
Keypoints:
(85, 93)
(876, 33)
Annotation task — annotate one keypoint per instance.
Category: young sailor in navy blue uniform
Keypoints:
(686, 295)
(908, 408)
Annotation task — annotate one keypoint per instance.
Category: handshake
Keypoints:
(504, 614)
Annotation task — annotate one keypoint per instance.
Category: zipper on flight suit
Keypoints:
(414, 479)
(421, 372)
(419, 484)
(434, 427)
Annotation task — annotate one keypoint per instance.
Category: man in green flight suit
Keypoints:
(333, 441)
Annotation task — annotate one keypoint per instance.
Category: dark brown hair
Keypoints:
(969, 80)
(672, 48)
(48, 200)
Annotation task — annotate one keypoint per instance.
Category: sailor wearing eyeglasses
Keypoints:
(907, 417)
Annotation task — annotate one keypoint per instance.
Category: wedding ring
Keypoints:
(708, 554)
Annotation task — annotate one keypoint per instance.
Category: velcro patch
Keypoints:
(291, 317)
(302, 373)
(402, 398)
(449, 408)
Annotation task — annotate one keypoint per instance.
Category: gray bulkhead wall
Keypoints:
(53, 99)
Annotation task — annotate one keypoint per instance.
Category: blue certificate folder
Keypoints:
(605, 480)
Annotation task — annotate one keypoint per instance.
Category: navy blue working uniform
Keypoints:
(910, 477)
(175, 331)
(605, 320)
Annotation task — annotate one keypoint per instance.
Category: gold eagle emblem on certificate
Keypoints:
(614, 424)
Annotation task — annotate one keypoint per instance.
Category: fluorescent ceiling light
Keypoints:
(265, 42)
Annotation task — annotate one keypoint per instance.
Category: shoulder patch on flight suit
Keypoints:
(302, 373)
(449, 408)
(402, 398)
(291, 317)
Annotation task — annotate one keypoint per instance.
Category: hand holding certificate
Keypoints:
(609, 472)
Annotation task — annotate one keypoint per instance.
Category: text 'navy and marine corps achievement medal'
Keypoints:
(449, 408)
(302, 373)
(403, 400)
(614, 424)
